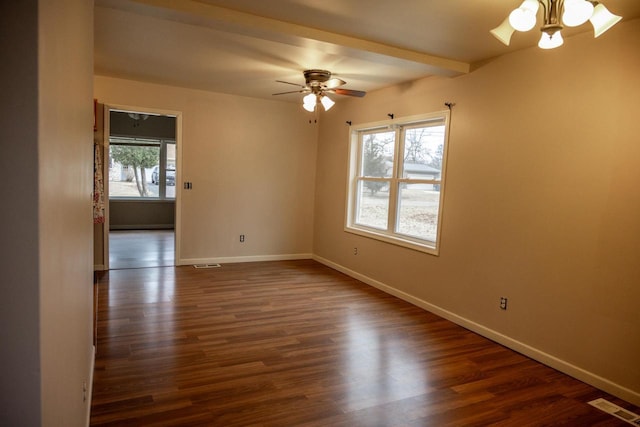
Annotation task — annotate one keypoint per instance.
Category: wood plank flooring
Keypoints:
(295, 343)
(141, 248)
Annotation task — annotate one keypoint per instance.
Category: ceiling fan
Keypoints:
(318, 83)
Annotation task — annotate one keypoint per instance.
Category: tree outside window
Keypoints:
(138, 159)
(142, 168)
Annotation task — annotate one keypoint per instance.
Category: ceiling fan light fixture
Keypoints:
(317, 84)
(602, 19)
(138, 116)
(309, 102)
(327, 102)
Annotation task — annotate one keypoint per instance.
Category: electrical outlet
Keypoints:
(503, 303)
(242, 238)
(355, 251)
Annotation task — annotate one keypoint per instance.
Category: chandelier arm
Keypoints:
(552, 9)
(552, 18)
(545, 10)
(559, 10)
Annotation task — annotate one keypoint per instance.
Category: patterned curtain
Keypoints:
(98, 186)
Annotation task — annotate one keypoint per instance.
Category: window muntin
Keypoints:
(141, 168)
(396, 180)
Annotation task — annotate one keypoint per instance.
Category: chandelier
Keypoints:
(555, 14)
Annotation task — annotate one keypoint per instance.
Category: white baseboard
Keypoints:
(253, 258)
(534, 353)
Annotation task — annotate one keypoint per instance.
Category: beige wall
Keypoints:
(65, 150)
(541, 205)
(252, 165)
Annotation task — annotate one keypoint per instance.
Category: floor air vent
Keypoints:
(207, 266)
(616, 411)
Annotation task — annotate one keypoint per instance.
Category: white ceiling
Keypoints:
(242, 47)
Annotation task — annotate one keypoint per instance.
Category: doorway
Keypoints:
(141, 167)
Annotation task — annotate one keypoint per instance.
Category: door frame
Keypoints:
(108, 107)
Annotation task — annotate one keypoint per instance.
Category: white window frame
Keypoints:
(162, 161)
(398, 125)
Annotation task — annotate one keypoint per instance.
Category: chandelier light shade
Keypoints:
(576, 12)
(602, 19)
(555, 15)
(550, 41)
(503, 32)
(524, 17)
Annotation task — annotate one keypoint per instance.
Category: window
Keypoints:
(396, 180)
(142, 168)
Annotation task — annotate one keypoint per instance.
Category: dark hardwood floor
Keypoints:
(298, 344)
(141, 248)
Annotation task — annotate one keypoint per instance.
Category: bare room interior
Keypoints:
(320, 213)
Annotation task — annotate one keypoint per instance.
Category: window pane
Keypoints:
(377, 154)
(170, 191)
(399, 176)
(423, 150)
(418, 212)
(131, 169)
(373, 204)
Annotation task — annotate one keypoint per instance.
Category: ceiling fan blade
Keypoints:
(291, 91)
(349, 92)
(289, 83)
(334, 82)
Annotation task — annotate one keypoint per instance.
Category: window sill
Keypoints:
(394, 240)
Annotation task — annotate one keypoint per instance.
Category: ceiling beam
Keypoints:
(224, 19)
